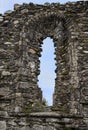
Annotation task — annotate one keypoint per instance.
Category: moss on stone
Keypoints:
(86, 56)
(86, 23)
(65, 72)
(27, 109)
(1, 109)
(85, 41)
(35, 107)
(54, 108)
(70, 15)
(59, 109)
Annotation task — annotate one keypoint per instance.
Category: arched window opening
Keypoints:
(47, 70)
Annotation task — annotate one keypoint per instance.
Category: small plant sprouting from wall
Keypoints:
(44, 102)
(35, 107)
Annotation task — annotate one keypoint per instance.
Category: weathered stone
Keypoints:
(17, 109)
(86, 52)
(23, 85)
(23, 128)
(49, 128)
(8, 12)
(24, 11)
(80, 48)
(1, 67)
(22, 123)
(1, 18)
(12, 123)
(38, 127)
(7, 43)
(32, 65)
(21, 36)
(5, 73)
(85, 91)
(2, 125)
(16, 22)
(16, 6)
(3, 114)
(18, 95)
(32, 51)
(6, 22)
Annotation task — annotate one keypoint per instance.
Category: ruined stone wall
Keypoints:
(21, 34)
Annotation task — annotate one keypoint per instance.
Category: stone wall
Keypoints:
(21, 34)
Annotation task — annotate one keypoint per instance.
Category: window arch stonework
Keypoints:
(53, 26)
(27, 40)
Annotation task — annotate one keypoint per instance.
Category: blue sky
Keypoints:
(47, 66)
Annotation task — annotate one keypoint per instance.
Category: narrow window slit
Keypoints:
(47, 70)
